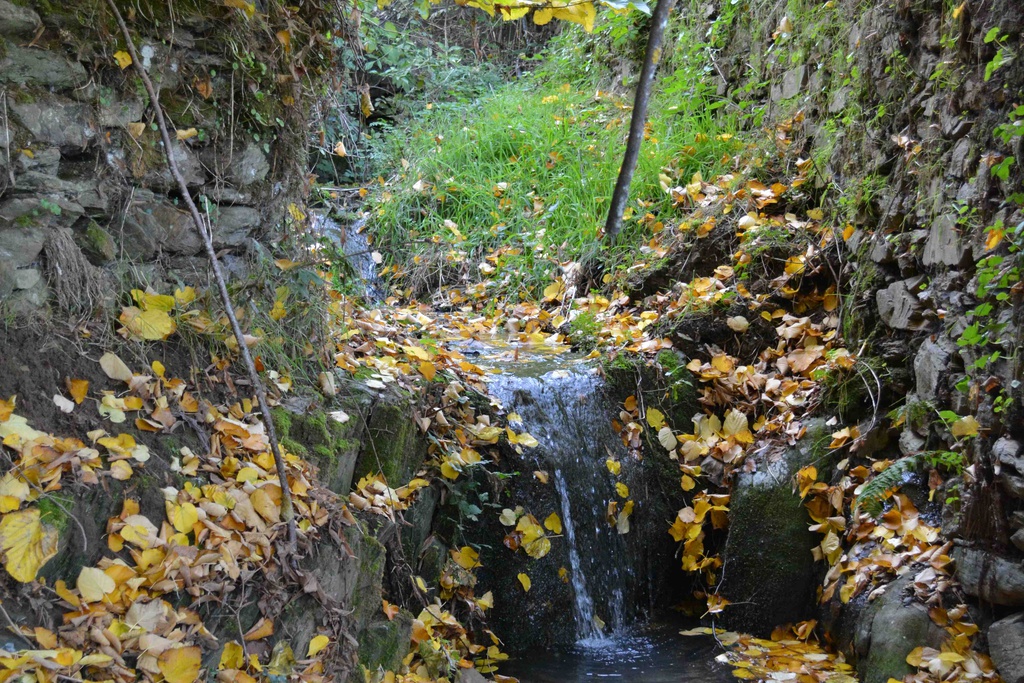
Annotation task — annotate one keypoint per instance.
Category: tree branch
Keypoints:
(637, 120)
(287, 510)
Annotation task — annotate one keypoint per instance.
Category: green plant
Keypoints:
(1004, 55)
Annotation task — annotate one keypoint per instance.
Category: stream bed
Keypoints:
(652, 654)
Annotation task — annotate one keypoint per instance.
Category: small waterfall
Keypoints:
(357, 249)
(566, 408)
(586, 627)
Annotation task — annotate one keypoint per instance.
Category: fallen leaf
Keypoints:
(27, 543)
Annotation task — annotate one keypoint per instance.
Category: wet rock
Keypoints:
(16, 20)
(21, 246)
(151, 223)
(74, 195)
(990, 577)
(45, 160)
(1018, 539)
(792, 84)
(962, 158)
(27, 66)
(910, 442)
(1008, 452)
(393, 445)
(56, 121)
(232, 225)
(930, 367)
(470, 676)
(118, 113)
(888, 628)
(418, 520)
(245, 166)
(943, 246)
(159, 177)
(1012, 484)
(898, 305)
(27, 278)
(1006, 646)
(770, 575)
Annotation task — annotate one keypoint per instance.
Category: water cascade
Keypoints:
(565, 407)
(353, 241)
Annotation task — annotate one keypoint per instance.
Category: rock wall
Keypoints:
(910, 115)
(81, 157)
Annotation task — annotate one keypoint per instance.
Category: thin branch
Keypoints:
(287, 510)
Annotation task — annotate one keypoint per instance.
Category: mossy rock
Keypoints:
(771, 576)
(394, 445)
(383, 644)
(325, 442)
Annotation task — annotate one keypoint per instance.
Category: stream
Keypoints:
(563, 401)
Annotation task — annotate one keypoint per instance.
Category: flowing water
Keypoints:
(563, 402)
(355, 244)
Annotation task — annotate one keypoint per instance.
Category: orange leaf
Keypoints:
(263, 629)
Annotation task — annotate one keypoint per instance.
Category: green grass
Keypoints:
(557, 147)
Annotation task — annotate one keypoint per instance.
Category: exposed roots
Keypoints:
(76, 282)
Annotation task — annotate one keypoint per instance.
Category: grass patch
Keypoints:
(510, 186)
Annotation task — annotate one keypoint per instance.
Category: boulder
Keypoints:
(1007, 451)
(16, 20)
(158, 176)
(232, 225)
(56, 121)
(930, 366)
(792, 84)
(1006, 646)
(28, 66)
(21, 246)
(45, 160)
(244, 165)
(151, 223)
(898, 306)
(888, 628)
(393, 444)
(990, 577)
(943, 247)
(770, 575)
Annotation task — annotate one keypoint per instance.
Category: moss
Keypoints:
(282, 421)
(53, 510)
(292, 446)
(384, 643)
(393, 446)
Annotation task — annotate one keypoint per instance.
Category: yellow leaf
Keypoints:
(152, 325)
(247, 7)
(553, 291)
(365, 103)
(94, 584)
(13, 492)
(27, 543)
(77, 388)
(265, 505)
(339, 149)
(965, 426)
(233, 657)
(115, 368)
(121, 470)
(123, 59)
(317, 645)
(995, 236)
(448, 471)
(542, 16)
(183, 516)
(525, 581)
(428, 370)
(186, 134)
(553, 523)
(655, 418)
(180, 664)
(466, 557)
(622, 490)
(614, 466)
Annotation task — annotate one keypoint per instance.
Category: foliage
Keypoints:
(536, 186)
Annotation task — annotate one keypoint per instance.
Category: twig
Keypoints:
(287, 511)
(15, 629)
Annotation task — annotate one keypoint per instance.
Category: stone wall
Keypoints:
(910, 114)
(80, 154)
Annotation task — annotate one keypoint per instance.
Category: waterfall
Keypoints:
(566, 408)
(356, 246)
